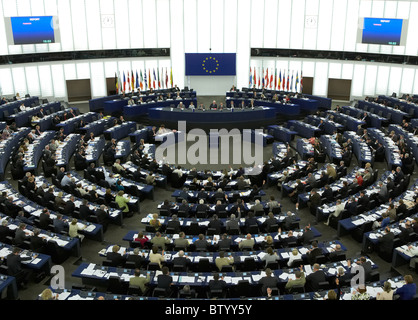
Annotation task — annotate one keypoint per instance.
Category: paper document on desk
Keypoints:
(234, 280)
(284, 276)
(64, 295)
(308, 270)
(285, 255)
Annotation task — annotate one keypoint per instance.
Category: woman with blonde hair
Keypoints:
(295, 255)
(73, 229)
(47, 295)
(387, 293)
(154, 222)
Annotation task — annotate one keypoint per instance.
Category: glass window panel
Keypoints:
(320, 82)
(216, 24)
(19, 80)
(230, 30)
(98, 80)
(297, 24)
(33, 80)
(334, 70)
(70, 71)
(111, 66)
(308, 68)
(3, 39)
(283, 18)
(408, 75)
(357, 85)
(347, 71)
(351, 26)
(383, 76)
(78, 14)
(203, 26)
(243, 44)
(122, 24)
(6, 83)
(190, 23)
(65, 25)
(83, 70)
(150, 27)
(324, 24)
(37, 7)
(415, 89)
(365, 10)
(94, 29)
(45, 78)
(370, 80)
(338, 25)
(256, 22)
(163, 25)
(135, 24)
(270, 24)
(59, 84)
(177, 42)
(394, 80)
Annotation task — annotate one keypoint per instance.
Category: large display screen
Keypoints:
(32, 30)
(382, 31)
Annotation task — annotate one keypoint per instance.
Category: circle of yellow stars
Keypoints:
(210, 59)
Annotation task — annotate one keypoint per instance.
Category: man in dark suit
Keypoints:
(4, 230)
(307, 235)
(270, 221)
(44, 219)
(351, 206)
(137, 258)
(49, 195)
(385, 243)
(102, 215)
(181, 260)
(367, 267)
(251, 220)
(59, 224)
(268, 281)
(184, 207)
(69, 206)
(216, 224)
(390, 185)
(84, 210)
(201, 242)
(224, 243)
(313, 280)
(314, 201)
(363, 199)
(174, 224)
(115, 257)
(213, 105)
(201, 207)
(164, 281)
(290, 238)
(217, 283)
(328, 193)
(14, 264)
(398, 176)
(37, 243)
(313, 252)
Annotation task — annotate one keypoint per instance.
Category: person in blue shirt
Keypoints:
(408, 290)
(119, 186)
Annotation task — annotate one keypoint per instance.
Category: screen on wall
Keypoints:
(32, 30)
(382, 31)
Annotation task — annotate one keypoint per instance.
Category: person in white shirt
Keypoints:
(338, 209)
(295, 255)
(109, 177)
(22, 107)
(413, 250)
(178, 171)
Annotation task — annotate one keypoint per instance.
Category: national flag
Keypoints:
(166, 78)
(297, 81)
(149, 78)
(275, 79)
(158, 77)
(155, 78)
(291, 82)
(124, 82)
(271, 80)
(267, 78)
(259, 80)
(128, 87)
(137, 80)
(287, 84)
(145, 80)
(301, 81)
(263, 79)
(171, 78)
(116, 83)
(141, 81)
(284, 79)
(255, 78)
(251, 78)
(279, 81)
